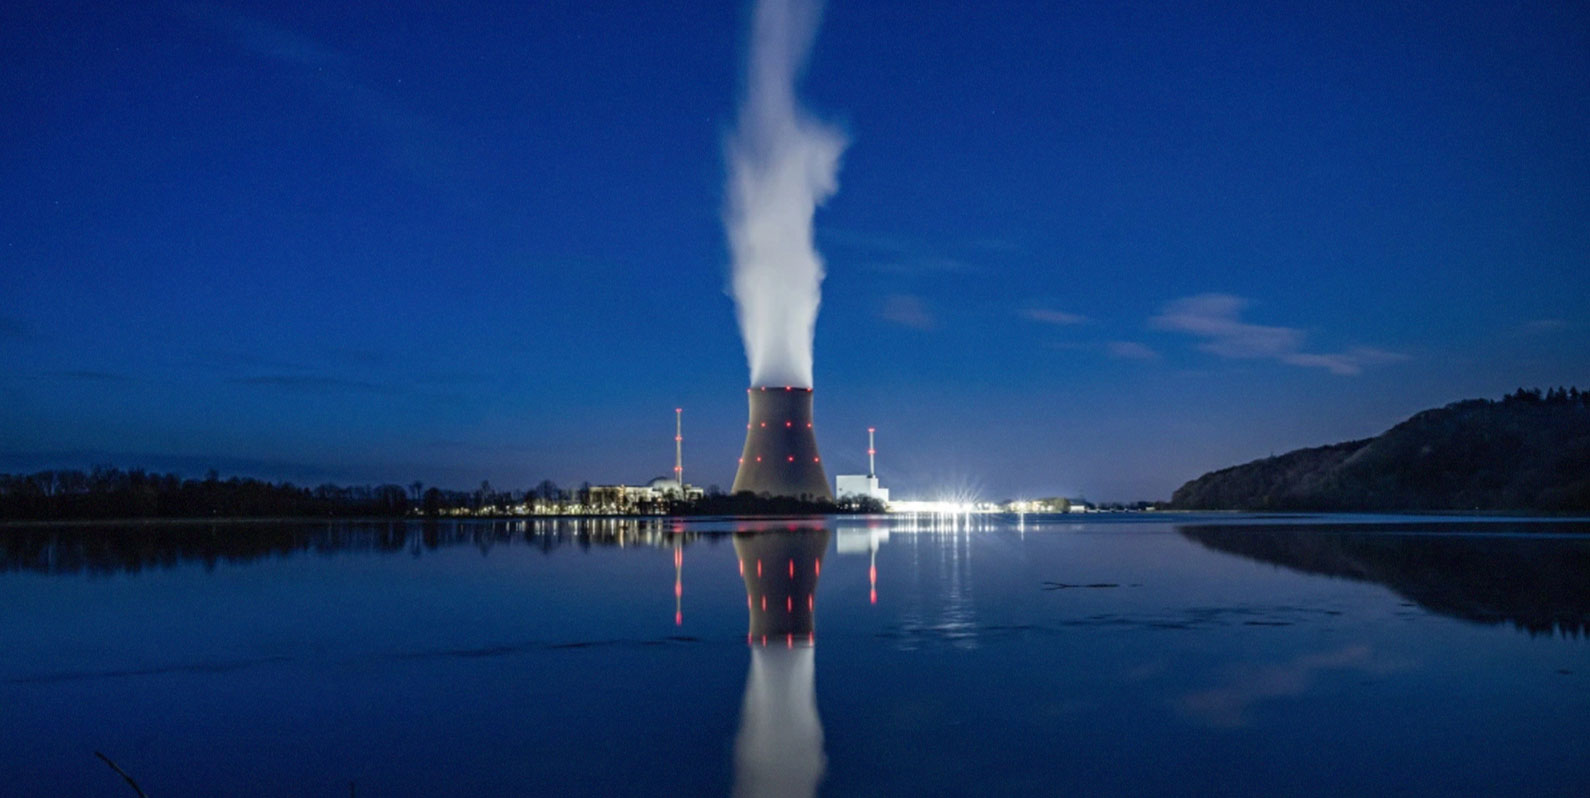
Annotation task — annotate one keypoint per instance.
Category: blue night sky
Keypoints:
(1077, 249)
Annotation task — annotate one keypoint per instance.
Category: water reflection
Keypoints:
(1530, 575)
(779, 748)
(865, 539)
(130, 548)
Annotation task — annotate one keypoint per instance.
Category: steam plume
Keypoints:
(782, 164)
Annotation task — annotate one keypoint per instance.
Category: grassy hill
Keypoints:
(1527, 451)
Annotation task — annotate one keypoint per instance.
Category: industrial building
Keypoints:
(654, 495)
(863, 486)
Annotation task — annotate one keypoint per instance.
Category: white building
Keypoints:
(651, 496)
(859, 486)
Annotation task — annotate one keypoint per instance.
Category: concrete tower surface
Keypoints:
(780, 457)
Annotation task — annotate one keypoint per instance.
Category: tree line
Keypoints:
(113, 493)
(106, 493)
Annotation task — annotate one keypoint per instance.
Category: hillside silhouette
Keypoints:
(1528, 451)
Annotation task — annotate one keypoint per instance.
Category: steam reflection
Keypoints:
(779, 748)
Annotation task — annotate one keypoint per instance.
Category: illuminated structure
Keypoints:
(780, 456)
(654, 496)
(779, 749)
(864, 540)
(864, 487)
(679, 446)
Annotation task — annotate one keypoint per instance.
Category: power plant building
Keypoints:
(860, 486)
(863, 486)
(654, 494)
(631, 498)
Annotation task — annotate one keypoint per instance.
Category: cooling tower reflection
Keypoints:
(779, 749)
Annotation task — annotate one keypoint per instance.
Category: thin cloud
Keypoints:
(312, 384)
(908, 310)
(923, 264)
(893, 255)
(268, 40)
(1346, 363)
(1539, 326)
(414, 143)
(1051, 316)
(1231, 706)
(1216, 320)
(1129, 350)
(89, 376)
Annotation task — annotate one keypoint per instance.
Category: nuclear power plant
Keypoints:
(780, 457)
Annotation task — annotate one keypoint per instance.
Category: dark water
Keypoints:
(1112, 655)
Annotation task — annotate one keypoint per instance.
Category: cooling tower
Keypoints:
(780, 571)
(780, 457)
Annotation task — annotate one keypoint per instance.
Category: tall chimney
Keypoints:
(780, 456)
(679, 451)
(872, 467)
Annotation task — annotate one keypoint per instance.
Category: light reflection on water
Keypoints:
(1108, 655)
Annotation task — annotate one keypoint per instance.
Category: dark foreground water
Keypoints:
(1055, 655)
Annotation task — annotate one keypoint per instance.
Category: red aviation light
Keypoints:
(792, 458)
(679, 410)
(764, 423)
(789, 604)
(788, 424)
(758, 569)
(764, 603)
(742, 459)
(679, 619)
(789, 640)
(808, 602)
(819, 568)
(792, 568)
(759, 458)
(742, 569)
(679, 590)
(808, 425)
(817, 459)
(786, 387)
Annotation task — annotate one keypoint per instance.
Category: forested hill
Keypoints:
(1528, 451)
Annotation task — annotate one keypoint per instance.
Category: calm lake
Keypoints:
(995, 655)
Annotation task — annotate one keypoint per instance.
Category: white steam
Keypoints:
(782, 164)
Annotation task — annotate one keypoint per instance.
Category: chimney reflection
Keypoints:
(779, 750)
